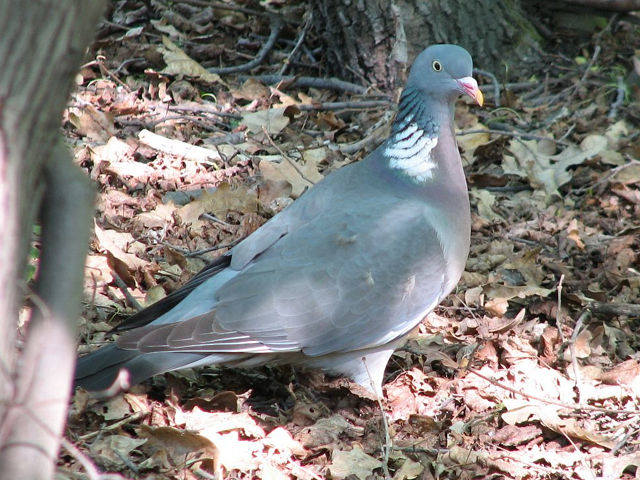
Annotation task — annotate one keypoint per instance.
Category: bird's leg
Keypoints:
(386, 446)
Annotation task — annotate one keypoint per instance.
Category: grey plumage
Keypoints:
(341, 275)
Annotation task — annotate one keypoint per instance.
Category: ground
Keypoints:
(529, 370)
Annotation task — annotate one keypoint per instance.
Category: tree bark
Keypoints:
(375, 40)
(42, 44)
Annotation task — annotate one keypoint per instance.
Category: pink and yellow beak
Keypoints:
(469, 86)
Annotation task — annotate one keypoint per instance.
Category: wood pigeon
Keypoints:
(339, 278)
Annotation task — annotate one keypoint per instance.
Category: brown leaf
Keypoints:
(226, 401)
(352, 462)
(251, 89)
(624, 373)
(93, 124)
(496, 306)
(326, 431)
(511, 435)
(282, 441)
(272, 121)
(550, 341)
(179, 63)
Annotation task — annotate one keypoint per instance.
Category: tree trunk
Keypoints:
(375, 40)
(41, 46)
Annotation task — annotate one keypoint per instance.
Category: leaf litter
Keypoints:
(528, 370)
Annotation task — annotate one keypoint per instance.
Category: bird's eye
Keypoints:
(437, 66)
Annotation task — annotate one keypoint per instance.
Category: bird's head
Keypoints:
(444, 71)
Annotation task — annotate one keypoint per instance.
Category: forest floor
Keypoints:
(530, 369)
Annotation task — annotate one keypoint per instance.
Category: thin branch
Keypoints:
(568, 406)
(276, 26)
(286, 157)
(611, 5)
(125, 291)
(296, 47)
(613, 113)
(364, 104)
(306, 82)
(628, 309)
(494, 81)
(526, 136)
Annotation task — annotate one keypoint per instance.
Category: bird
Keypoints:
(338, 279)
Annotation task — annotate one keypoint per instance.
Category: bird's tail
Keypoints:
(111, 369)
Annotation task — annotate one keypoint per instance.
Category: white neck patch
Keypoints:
(409, 150)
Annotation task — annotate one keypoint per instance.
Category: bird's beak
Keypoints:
(469, 86)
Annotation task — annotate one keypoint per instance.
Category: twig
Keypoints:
(611, 5)
(105, 71)
(509, 133)
(227, 6)
(114, 426)
(621, 443)
(572, 349)
(125, 291)
(89, 467)
(180, 149)
(197, 253)
(594, 57)
(296, 47)
(127, 461)
(494, 81)
(628, 309)
(364, 104)
(606, 178)
(568, 406)
(613, 113)
(127, 62)
(212, 218)
(276, 25)
(313, 82)
(286, 157)
(559, 309)
(349, 148)
(517, 86)
(510, 189)
(204, 108)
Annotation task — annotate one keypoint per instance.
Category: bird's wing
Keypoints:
(303, 210)
(162, 306)
(347, 280)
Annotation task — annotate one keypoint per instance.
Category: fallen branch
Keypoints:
(343, 105)
(287, 61)
(526, 136)
(494, 82)
(313, 82)
(180, 149)
(613, 113)
(611, 5)
(276, 26)
(628, 309)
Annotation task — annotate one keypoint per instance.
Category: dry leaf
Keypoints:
(179, 63)
(93, 124)
(272, 120)
(486, 201)
(408, 470)
(496, 306)
(549, 172)
(471, 141)
(224, 199)
(108, 446)
(352, 462)
(251, 89)
(281, 439)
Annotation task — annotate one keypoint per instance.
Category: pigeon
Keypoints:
(338, 279)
